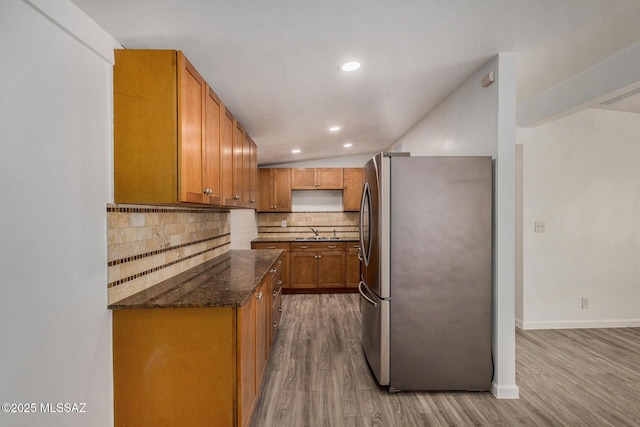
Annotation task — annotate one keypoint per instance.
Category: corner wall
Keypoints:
(55, 174)
(476, 121)
(581, 177)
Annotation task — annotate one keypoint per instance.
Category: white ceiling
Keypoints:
(275, 63)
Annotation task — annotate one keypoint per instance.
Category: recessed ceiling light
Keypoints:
(295, 151)
(334, 128)
(347, 145)
(350, 66)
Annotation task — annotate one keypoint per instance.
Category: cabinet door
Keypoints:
(238, 140)
(304, 270)
(246, 171)
(191, 94)
(352, 187)
(263, 329)
(265, 190)
(253, 174)
(331, 269)
(281, 190)
(303, 179)
(352, 267)
(226, 158)
(329, 178)
(247, 360)
(211, 149)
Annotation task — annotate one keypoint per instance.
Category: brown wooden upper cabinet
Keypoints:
(274, 190)
(226, 157)
(173, 137)
(316, 179)
(238, 141)
(352, 194)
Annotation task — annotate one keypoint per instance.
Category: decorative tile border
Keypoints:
(160, 267)
(345, 224)
(160, 251)
(149, 244)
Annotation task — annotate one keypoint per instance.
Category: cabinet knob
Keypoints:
(279, 282)
(275, 293)
(259, 295)
(275, 207)
(275, 323)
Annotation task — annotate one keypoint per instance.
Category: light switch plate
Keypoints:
(284, 223)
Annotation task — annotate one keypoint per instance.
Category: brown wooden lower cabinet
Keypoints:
(285, 257)
(352, 265)
(317, 265)
(192, 366)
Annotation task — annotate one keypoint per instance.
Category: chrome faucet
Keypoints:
(316, 232)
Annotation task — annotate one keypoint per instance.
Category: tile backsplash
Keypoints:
(345, 224)
(149, 244)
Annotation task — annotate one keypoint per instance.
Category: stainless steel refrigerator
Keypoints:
(425, 290)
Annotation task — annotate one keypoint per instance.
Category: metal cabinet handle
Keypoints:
(280, 262)
(273, 270)
(275, 293)
(271, 247)
(275, 324)
(279, 282)
(332, 246)
(259, 295)
(280, 309)
(304, 247)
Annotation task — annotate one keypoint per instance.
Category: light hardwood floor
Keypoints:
(317, 376)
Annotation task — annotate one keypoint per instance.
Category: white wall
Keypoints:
(55, 169)
(581, 176)
(475, 121)
(244, 228)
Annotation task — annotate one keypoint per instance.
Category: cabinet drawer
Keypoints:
(270, 245)
(276, 315)
(317, 247)
(353, 247)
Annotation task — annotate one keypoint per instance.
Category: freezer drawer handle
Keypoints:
(375, 304)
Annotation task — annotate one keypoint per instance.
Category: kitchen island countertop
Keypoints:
(225, 281)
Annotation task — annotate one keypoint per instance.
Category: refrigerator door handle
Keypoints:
(369, 300)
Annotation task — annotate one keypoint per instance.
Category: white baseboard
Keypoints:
(519, 323)
(506, 391)
(580, 324)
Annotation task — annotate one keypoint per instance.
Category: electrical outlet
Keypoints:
(585, 303)
(539, 227)
(284, 223)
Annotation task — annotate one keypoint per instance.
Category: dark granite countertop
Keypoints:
(294, 239)
(225, 281)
